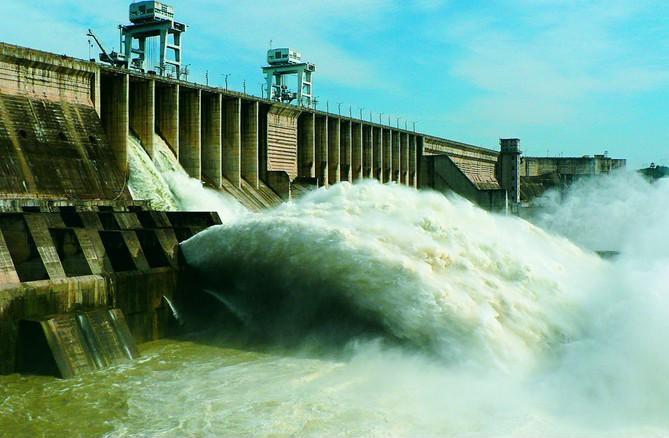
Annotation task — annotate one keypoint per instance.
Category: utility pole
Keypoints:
(350, 112)
(244, 84)
(361, 108)
(339, 108)
(206, 77)
(226, 80)
(380, 120)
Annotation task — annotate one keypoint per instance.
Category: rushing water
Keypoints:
(377, 310)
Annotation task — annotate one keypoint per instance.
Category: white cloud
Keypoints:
(319, 29)
(542, 66)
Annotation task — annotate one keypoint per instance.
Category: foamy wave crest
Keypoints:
(437, 272)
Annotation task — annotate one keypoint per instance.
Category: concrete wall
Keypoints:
(478, 164)
(282, 140)
(59, 261)
(536, 166)
(47, 104)
(440, 173)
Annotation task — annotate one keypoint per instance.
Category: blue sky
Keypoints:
(566, 77)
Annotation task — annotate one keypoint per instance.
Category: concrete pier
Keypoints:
(190, 135)
(395, 153)
(212, 138)
(250, 142)
(142, 111)
(387, 149)
(306, 146)
(356, 151)
(377, 154)
(334, 150)
(404, 158)
(167, 114)
(321, 150)
(413, 161)
(367, 152)
(232, 141)
(346, 149)
(114, 109)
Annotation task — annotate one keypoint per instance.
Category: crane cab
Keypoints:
(283, 56)
(150, 11)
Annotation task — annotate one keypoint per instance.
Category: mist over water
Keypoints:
(624, 212)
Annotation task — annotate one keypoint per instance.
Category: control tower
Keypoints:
(153, 19)
(509, 168)
(285, 62)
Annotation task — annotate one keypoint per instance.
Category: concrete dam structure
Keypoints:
(72, 239)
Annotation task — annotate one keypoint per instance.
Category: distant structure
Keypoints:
(286, 62)
(655, 171)
(538, 174)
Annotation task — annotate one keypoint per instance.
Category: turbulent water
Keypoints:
(377, 310)
(166, 185)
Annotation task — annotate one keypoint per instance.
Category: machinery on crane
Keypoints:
(113, 58)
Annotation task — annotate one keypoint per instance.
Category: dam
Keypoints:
(178, 259)
(71, 234)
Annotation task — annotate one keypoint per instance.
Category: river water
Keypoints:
(377, 310)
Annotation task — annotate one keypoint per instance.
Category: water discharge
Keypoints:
(516, 330)
(165, 184)
(378, 310)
